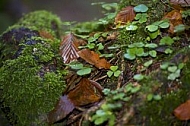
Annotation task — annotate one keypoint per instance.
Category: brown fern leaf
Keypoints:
(68, 48)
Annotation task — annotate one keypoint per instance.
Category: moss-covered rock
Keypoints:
(31, 78)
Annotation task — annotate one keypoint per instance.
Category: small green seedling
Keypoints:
(174, 70)
(141, 17)
(154, 29)
(138, 50)
(113, 71)
(151, 97)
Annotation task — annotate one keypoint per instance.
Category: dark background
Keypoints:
(67, 10)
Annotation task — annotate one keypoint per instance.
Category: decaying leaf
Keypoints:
(182, 112)
(85, 92)
(125, 15)
(68, 48)
(175, 19)
(63, 107)
(94, 59)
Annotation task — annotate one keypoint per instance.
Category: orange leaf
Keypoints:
(182, 112)
(94, 59)
(85, 92)
(125, 15)
(63, 107)
(175, 19)
(68, 48)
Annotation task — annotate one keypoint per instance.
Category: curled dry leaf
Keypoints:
(94, 59)
(125, 15)
(84, 93)
(182, 112)
(68, 48)
(175, 19)
(63, 107)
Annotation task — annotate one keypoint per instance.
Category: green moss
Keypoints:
(31, 78)
(42, 20)
(30, 89)
(159, 113)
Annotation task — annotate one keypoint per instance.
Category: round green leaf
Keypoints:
(141, 8)
(129, 56)
(100, 46)
(113, 68)
(148, 63)
(179, 28)
(137, 44)
(117, 73)
(164, 25)
(151, 45)
(138, 77)
(181, 65)
(152, 28)
(109, 73)
(91, 45)
(154, 35)
(152, 53)
(132, 51)
(168, 51)
(164, 65)
(166, 41)
(131, 27)
(139, 51)
(135, 89)
(172, 69)
(76, 66)
(84, 71)
(149, 97)
(157, 97)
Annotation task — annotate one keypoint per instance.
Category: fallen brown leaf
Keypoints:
(127, 14)
(175, 19)
(94, 59)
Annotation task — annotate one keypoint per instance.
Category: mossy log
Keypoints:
(31, 80)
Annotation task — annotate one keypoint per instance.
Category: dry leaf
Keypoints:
(94, 59)
(68, 48)
(175, 19)
(125, 15)
(85, 92)
(63, 107)
(182, 112)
